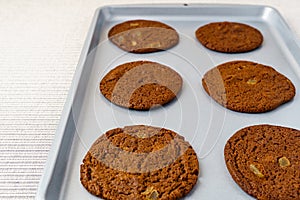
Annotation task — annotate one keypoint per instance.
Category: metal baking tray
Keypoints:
(203, 122)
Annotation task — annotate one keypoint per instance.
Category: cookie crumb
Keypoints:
(134, 24)
(256, 171)
(251, 81)
(284, 162)
(151, 193)
(133, 43)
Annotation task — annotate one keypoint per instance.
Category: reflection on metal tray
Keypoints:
(204, 123)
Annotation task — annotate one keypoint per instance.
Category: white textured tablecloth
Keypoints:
(40, 44)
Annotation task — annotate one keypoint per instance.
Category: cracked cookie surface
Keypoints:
(248, 87)
(143, 36)
(229, 37)
(140, 162)
(264, 160)
(141, 85)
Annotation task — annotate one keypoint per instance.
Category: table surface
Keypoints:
(40, 46)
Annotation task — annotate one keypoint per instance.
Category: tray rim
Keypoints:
(66, 113)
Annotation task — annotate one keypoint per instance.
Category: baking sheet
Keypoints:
(203, 122)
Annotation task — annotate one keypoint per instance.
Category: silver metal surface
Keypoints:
(204, 123)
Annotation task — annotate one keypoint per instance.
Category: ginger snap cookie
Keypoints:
(140, 162)
(143, 36)
(264, 160)
(141, 85)
(248, 87)
(229, 37)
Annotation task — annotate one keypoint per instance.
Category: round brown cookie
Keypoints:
(249, 87)
(229, 37)
(141, 85)
(264, 160)
(143, 36)
(140, 162)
